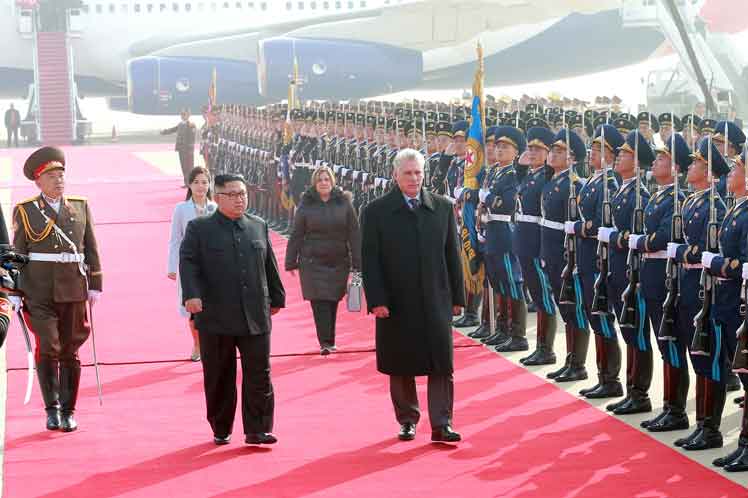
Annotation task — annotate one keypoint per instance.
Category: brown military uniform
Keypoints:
(55, 293)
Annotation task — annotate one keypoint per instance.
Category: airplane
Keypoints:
(161, 53)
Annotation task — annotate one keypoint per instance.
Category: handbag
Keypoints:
(353, 299)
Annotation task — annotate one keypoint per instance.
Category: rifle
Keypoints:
(629, 316)
(701, 345)
(672, 284)
(600, 301)
(568, 294)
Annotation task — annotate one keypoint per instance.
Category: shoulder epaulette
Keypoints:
(76, 198)
(30, 199)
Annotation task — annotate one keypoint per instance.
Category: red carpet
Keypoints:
(523, 436)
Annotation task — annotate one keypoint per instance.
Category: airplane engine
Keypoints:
(166, 85)
(335, 69)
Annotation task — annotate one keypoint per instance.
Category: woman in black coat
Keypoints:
(324, 245)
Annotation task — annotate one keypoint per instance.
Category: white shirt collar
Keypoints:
(53, 204)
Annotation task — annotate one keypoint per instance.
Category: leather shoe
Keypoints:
(680, 442)
(324, 351)
(556, 373)
(513, 344)
(670, 422)
(495, 339)
(445, 434)
(707, 439)
(608, 390)
(589, 389)
(407, 432)
(639, 405)
(740, 464)
(260, 438)
(221, 440)
(572, 374)
(53, 420)
(481, 332)
(733, 383)
(612, 406)
(739, 400)
(67, 422)
(540, 358)
(465, 321)
(729, 458)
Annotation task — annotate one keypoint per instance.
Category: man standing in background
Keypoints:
(185, 145)
(12, 124)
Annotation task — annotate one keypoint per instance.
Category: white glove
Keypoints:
(481, 238)
(458, 192)
(569, 227)
(604, 233)
(93, 296)
(672, 249)
(706, 258)
(745, 271)
(634, 240)
(18, 304)
(483, 194)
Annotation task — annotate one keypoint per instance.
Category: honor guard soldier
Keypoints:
(648, 126)
(527, 239)
(708, 125)
(567, 150)
(56, 231)
(710, 373)
(623, 205)
(502, 265)
(590, 200)
(669, 123)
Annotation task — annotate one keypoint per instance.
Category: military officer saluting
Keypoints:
(56, 231)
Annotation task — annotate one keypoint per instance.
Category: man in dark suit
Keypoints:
(12, 124)
(185, 145)
(230, 283)
(413, 281)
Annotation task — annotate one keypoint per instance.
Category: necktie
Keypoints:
(414, 203)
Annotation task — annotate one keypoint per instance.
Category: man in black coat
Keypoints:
(185, 145)
(230, 283)
(413, 281)
(12, 124)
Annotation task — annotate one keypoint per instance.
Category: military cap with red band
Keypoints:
(43, 160)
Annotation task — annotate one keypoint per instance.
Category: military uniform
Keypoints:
(55, 285)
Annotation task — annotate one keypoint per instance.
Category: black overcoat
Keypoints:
(411, 264)
(324, 245)
(230, 265)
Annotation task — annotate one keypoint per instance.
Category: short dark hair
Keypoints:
(222, 180)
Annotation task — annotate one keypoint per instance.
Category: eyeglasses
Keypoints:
(234, 195)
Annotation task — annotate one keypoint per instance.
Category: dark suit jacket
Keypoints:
(9, 115)
(230, 265)
(186, 133)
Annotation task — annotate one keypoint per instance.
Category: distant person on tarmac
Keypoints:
(185, 146)
(12, 124)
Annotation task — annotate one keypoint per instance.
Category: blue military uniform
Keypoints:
(527, 247)
(555, 201)
(590, 199)
(623, 205)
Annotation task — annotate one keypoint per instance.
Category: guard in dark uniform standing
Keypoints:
(590, 199)
(56, 231)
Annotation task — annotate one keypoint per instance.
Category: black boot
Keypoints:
(600, 362)
(470, 317)
(714, 404)
(569, 334)
(576, 370)
(733, 382)
(630, 356)
(610, 386)
(517, 340)
(49, 384)
(641, 380)
(675, 418)
(501, 334)
(699, 414)
(484, 330)
(70, 376)
(737, 461)
(546, 333)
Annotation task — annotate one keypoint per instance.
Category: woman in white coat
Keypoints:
(198, 203)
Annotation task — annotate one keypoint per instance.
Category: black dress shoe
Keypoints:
(680, 442)
(513, 344)
(612, 406)
(324, 351)
(445, 434)
(495, 339)
(260, 438)
(634, 405)
(556, 373)
(739, 464)
(708, 439)
(607, 390)
(670, 422)
(481, 332)
(67, 422)
(465, 321)
(733, 383)
(729, 458)
(572, 374)
(53, 420)
(407, 432)
(541, 358)
(589, 389)
(739, 400)
(221, 440)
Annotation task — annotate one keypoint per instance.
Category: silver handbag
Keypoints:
(353, 299)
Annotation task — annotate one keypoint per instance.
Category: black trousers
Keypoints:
(440, 399)
(13, 133)
(325, 314)
(218, 355)
(187, 162)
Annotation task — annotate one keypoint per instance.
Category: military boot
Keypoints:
(576, 370)
(610, 385)
(517, 340)
(714, 404)
(470, 317)
(484, 330)
(675, 418)
(569, 335)
(502, 322)
(546, 333)
(47, 371)
(737, 461)
(629, 379)
(70, 376)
